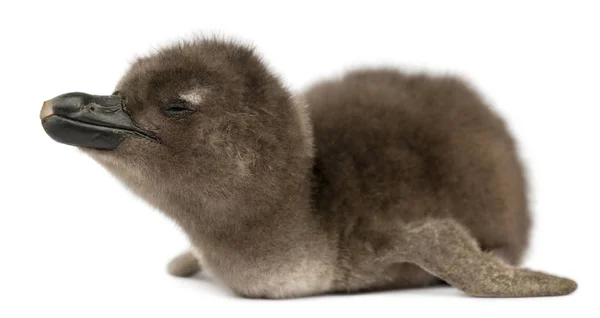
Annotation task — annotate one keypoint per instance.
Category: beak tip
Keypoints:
(47, 109)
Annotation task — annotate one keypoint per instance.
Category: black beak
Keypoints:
(89, 121)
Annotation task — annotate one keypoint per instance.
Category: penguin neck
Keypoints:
(275, 198)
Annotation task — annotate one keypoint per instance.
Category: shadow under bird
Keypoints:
(374, 180)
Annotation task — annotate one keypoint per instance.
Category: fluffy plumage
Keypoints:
(375, 180)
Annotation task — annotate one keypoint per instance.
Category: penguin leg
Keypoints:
(184, 265)
(446, 249)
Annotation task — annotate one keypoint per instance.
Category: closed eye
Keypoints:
(178, 108)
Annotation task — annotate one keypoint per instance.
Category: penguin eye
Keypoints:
(177, 108)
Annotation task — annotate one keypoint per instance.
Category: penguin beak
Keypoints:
(89, 121)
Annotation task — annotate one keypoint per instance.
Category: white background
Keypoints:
(66, 253)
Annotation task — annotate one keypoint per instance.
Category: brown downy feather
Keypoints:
(408, 180)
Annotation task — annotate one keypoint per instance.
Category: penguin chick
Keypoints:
(374, 180)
